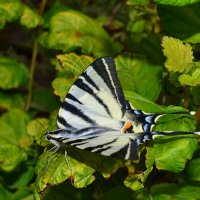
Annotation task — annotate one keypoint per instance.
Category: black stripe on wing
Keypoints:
(90, 81)
(62, 121)
(75, 111)
(79, 83)
(128, 152)
(105, 68)
(71, 97)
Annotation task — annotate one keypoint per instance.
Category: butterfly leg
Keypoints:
(68, 165)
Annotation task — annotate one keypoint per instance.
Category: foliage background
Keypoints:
(32, 83)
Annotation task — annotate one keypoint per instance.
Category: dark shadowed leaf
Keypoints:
(175, 191)
(192, 169)
(10, 101)
(12, 73)
(186, 21)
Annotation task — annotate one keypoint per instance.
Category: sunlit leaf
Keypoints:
(37, 129)
(179, 56)
(69, 63)
(10, 11)
(176, 2)
(70, 30)
(30, 18)
(165, 152)
(192, 79)
(53, 170)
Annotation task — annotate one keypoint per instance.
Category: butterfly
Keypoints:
(95, 116)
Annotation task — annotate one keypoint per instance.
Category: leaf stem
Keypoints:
(33, 61)
(31, 77)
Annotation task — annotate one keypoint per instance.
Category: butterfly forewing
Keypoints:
(96, 97)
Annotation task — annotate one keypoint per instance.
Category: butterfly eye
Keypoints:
(48, 137)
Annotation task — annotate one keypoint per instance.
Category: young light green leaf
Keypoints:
(186, 21)
(192, 79)
(70, 30)
(143, 77)
(12, 73)
(176, 2)
(10, 11)
(30, 18)
(179, 56)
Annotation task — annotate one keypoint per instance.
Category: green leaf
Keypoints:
(192, 169)
(30, 18)
(10, 10)
(70, 30)
(195, 94)
(71, 64)
(9, 101)
(13, 128)
(192, 79)
(53, 170)
(142, 103)
(131, 180)
(186, 21)
(10, 156)
(74, 63)
(37, 129)
(137, 2)
(178, 122)
(139, 76)
(12, 73)
(171, 153)
(176, 2)
(175, 191)
(179, 56)
(40, 98)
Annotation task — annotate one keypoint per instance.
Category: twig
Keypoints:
(33, 62)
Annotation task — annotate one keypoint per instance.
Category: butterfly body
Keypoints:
(96, 117)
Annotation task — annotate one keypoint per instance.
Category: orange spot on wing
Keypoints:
(126, 126)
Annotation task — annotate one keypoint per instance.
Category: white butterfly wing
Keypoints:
(96, 98)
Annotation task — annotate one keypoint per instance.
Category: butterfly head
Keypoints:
(50, 136)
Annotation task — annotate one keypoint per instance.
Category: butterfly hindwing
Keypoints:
(102, 140)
